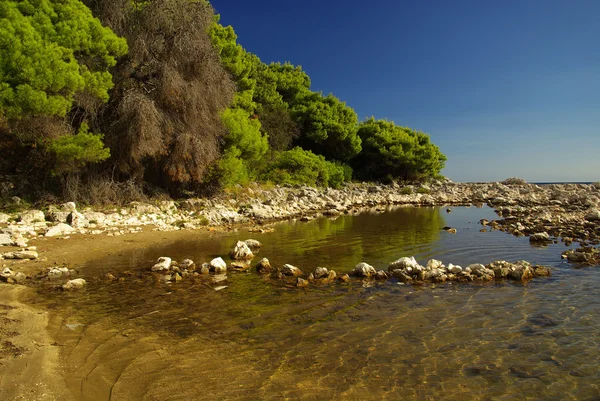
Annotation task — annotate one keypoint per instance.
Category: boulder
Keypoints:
(363, 270)
(300, 282)
(405, 263)
(593, 215)
(320, 272)
(289, 270)
(240, 265)
(21, 255)
(76, 219)
(60, 229)
(241, 251)
(521, 271)
(218, 266)
(253, 244)
(501, 268)
(187, 264)
(75, 284)
(264, 266)
(69, 207)
(162, 264)
(32, 216)
(454, 269)
(540, 237)
(5, 240)
(435, 264)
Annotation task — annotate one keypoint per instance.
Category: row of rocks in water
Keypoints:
(567, 212)
(54, 273)
(405, 269)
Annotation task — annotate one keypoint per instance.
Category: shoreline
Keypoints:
(567, 212)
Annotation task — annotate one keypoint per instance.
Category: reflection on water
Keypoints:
(258, 339)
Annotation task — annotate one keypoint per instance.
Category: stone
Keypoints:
(454, 269)
(21, 255)
(404, 263)
(75, 284)
(163, 263)
(521, 271)
(32, 216)
(240, 265)
(289, 270)
(253, 244)
(205, 268)
(69, 207)
(60, 229)
(344, 278)
(300, 282)
(381, 275)
(434, 264)
(4, 218)
(451, 230)
(57, 272)
(541, 271)
(540, 237)
(218, 265)
(5, 240)
(480, 271)
(241, 251)
(593, 215)
(363, 270)
(76, 219)
(501, 268)
(320, 272)
(264, 266)
(187, 264)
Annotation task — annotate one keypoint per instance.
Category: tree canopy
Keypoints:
(49, 52)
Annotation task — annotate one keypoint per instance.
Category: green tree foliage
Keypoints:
(49, 52)
(299, 166)
(399, 152)
(237, 61)
(328, 126)
(75, 151)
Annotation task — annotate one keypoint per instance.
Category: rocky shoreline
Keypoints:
(546, 213)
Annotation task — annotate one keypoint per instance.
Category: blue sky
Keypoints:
(504, 88)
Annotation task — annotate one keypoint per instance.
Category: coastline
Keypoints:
(564, 211)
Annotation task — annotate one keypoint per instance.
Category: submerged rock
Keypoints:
(540, 237)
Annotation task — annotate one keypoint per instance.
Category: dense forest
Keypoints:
(108, 100)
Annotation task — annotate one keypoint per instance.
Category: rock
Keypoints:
(454, 269)
(363, 270)
(69, 207)
(75, 284)
(32, 216)
(381, 275)
(60, 229)
(240, 265)
(501, 268)
(401, 276)
(521, 271)
(405, 263)
(480, 271)
(540, 237)
(19, 277)
(289, 270)
(4, 218)
(57, 272)
(187, 264)
(264, 266)
(344, 278)
(593, 215)
(435, 264)
(76, 219)
(450, 230)
(110, 277)
(218, 266)
(21, 255)
(320, 272)
(5, 240)
(163, 263)
(241, 251)
(541, 271)
(253, 244)
(6, 274)
(300, 282)
(205, 268)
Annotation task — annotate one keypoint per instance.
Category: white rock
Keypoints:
(60, 229)
(434, 264)
(539, 237)
(455, 269)
(321, 272)
(32, 216)
(241, 251)
(69, 207)
(74, 284)
(76, 219)
(405, 263)
(253, 244)
(187, 264)
(363, 270)
(218, 265)
(57, 272)
(21, 255)
(290, 270)
(5, 239)
(163, 263)
(4, 218)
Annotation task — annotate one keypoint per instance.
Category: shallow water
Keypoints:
(261, 339)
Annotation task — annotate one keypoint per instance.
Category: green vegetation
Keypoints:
(182, 107)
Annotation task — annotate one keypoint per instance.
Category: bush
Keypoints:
(302, 167)
(75, 151)
(406, 191)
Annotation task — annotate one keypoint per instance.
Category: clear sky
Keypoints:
(504, 88)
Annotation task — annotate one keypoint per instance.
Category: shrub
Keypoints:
(74, 151)
(301, 167)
